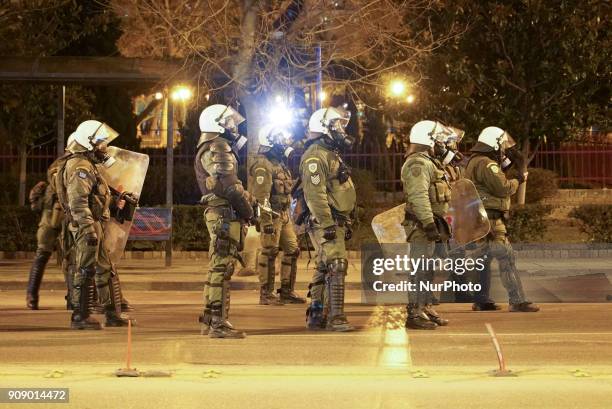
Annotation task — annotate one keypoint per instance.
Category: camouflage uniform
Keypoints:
(427, 192)
(227, 208)
(47, 234)
(330, 196)
(495, 191)
(86, 200)
(272, 183)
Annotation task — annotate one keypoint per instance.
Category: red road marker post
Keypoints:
(128, 371)
(502, 371)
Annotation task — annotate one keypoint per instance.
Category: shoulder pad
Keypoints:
(220, 145)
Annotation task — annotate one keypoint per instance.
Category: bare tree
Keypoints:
(254, 47)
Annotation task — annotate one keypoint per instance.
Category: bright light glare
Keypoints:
(410, 99)
(181, 93)
(280, 115)
(322, 96)
(159, 95)
(278, 99)
(397, 88)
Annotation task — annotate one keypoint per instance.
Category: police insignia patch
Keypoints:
(82, 174)
(315, 179)
(312, 167)
(415, 171)
(260, 180)
(494, 168)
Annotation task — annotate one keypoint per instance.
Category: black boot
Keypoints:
(220, 327)
(114, 317)
(36, 274)
(205, 319)
(286, 293)
(434, 316)
(267, 297)
(337, 320)
(417, 319)
(81, 313)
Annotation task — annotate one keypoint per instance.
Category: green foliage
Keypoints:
(596, 221)
(189, 228)
(537, 69)
(18, 225)
(527, 223)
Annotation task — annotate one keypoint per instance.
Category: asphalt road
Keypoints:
(281, 365)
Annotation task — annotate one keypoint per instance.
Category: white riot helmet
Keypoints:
(221, 119)
(429, 132)
(496, 138)
(331, 122)
(272, 136)
(93, 136)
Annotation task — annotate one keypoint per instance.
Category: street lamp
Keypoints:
(181, 93)
(397, 88)
(410, 99)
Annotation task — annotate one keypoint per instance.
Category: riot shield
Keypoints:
(127, 174)
(388, 227)
(469, 218)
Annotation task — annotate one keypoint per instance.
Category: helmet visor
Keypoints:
(446, 134)
(506, 141)
(103, 135)
(230, 119)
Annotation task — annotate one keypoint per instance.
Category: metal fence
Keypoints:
(578, 164)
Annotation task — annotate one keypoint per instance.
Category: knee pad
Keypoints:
(294, 254)
(338, 266)
(270, 252)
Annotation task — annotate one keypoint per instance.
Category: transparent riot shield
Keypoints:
(469, 218)
(127, 174)
(388, 227)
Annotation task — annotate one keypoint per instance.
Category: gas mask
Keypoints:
(101, 156)
(237, 141)
(445, 154)
(229, 120)
(339, 135)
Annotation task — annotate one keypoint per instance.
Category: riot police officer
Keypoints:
(86, 200)
(228, 207)
(329, 196)
(272, 184)
(44, 199)
(427, 194)
(492, 155)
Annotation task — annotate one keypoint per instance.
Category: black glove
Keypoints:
(348, 233)
(91, 239)
(268, 229)
(521, 177)
(431, 231)
(329, 233)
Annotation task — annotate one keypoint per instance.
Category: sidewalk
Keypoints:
(189, 274)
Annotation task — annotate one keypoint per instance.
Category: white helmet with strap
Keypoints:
(496, 138)
(429, 132)
(218, 118)
(324, 119)
(91, 134)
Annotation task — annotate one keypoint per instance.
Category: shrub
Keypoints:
(18, 225)
(541, 183)
(596, 221)
(527, 222)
